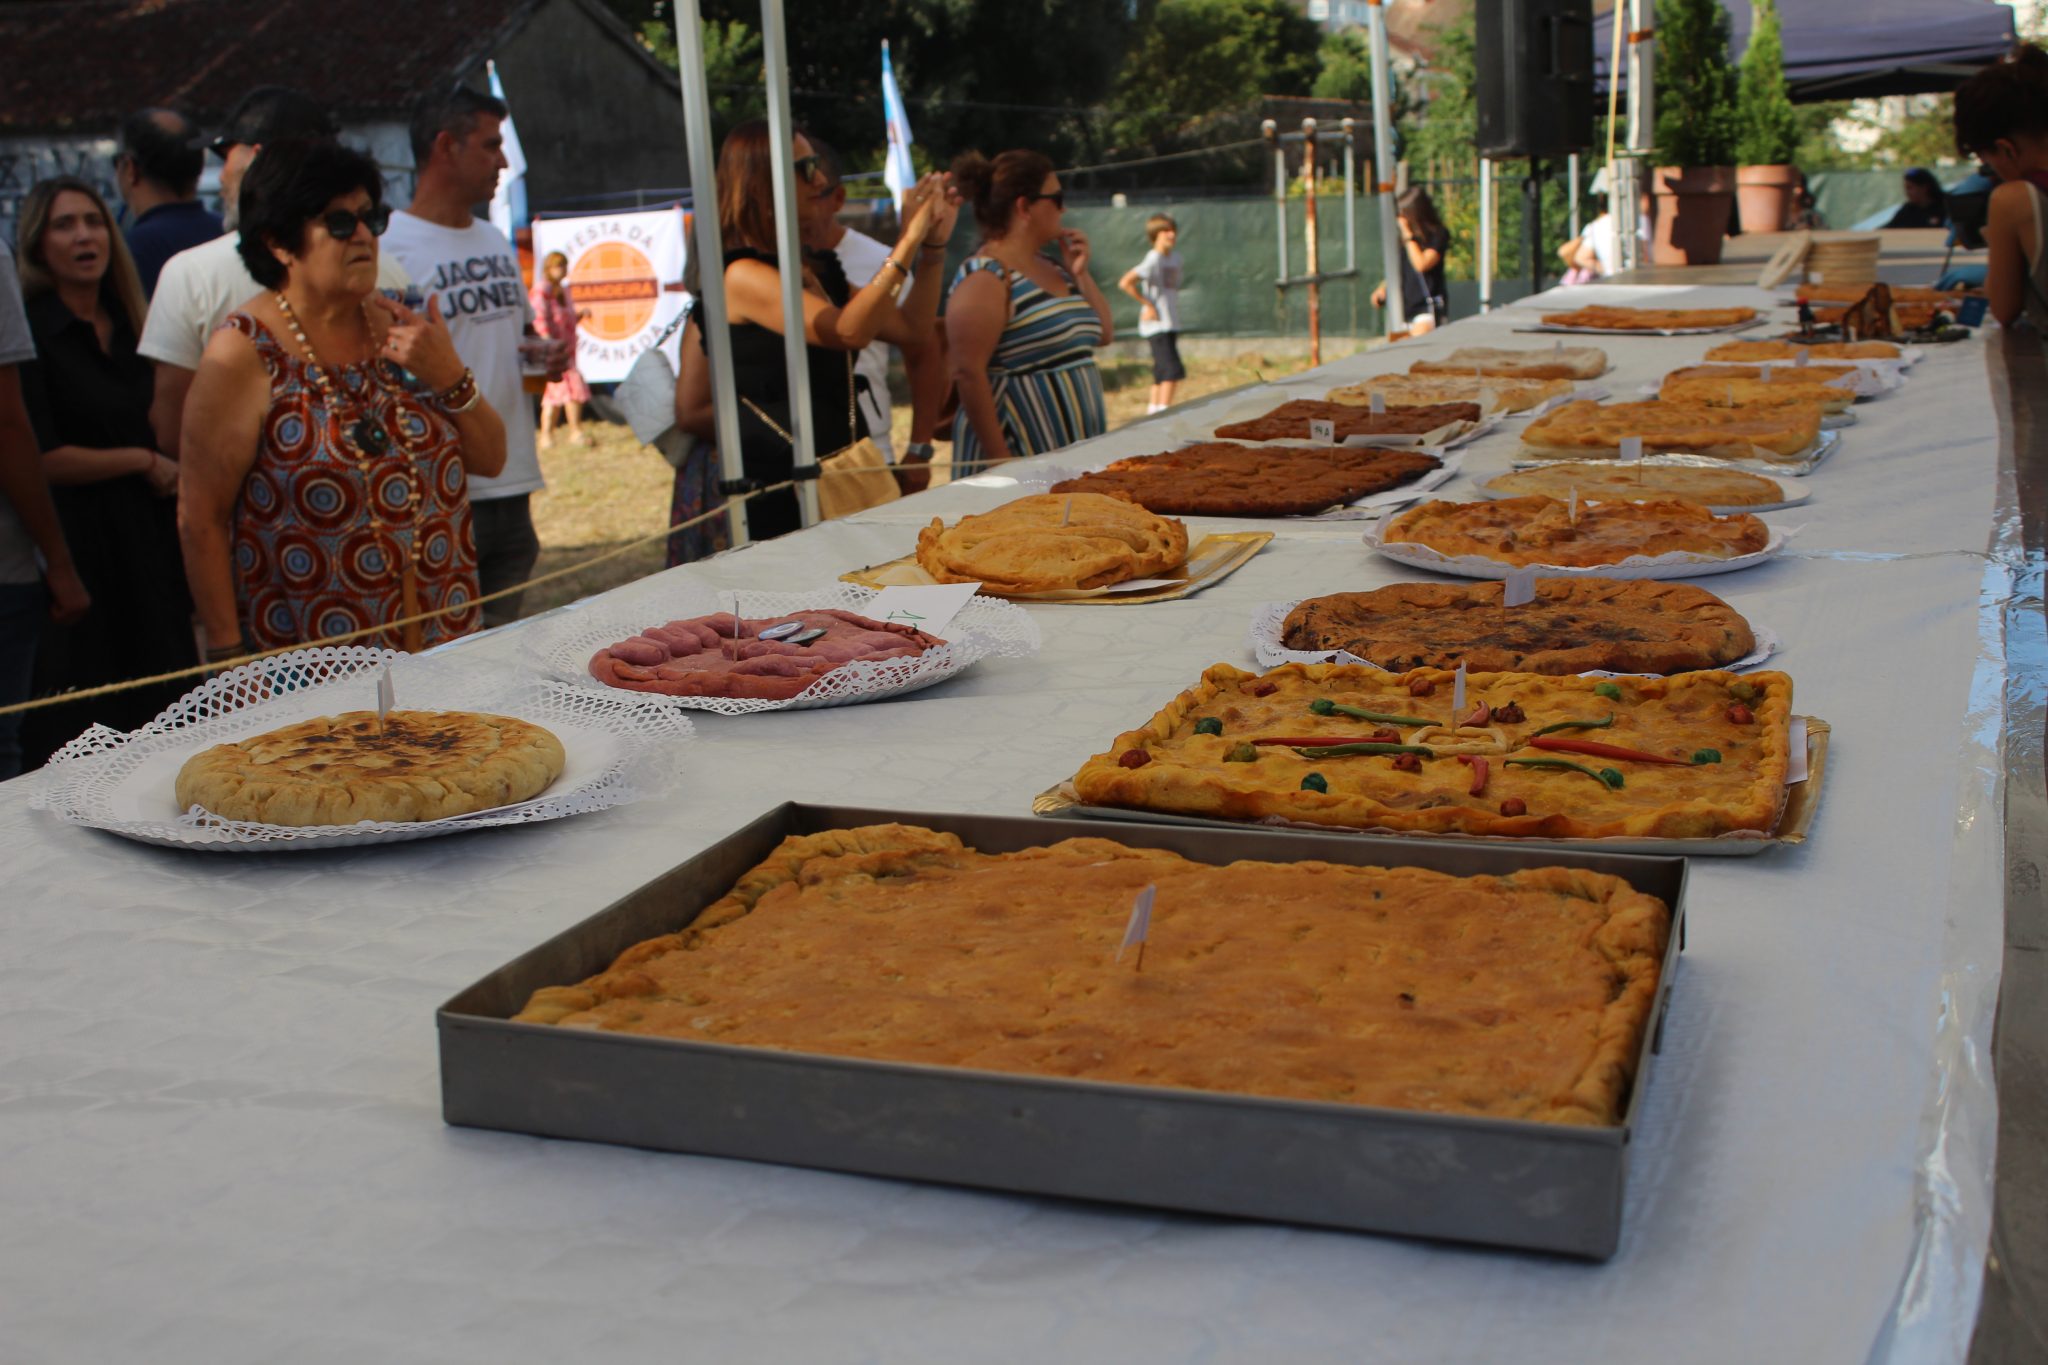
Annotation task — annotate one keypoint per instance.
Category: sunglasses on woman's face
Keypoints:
(1058, 197)
(341, 223)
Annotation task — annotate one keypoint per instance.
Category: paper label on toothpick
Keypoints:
(1519, 588)
(928, 609)
(1574, 508)
(1557, 350)
(1632, 448)
(387, 696)
(1378, 401)
(1322, 431)
(1458, 694)
(1801, 358)
(1066, 511)
(1141, 920)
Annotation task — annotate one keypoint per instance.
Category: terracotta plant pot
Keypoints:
(1694, 204)
(1763, 196)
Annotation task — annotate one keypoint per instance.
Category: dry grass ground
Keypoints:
(615, 490)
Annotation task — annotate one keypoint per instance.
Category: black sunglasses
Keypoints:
(809, 168)
(341, 223)
(1058, 197)
(221, 146)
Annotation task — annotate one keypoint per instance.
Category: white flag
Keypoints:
(508, 204)
(897, 174)
(1141, 920)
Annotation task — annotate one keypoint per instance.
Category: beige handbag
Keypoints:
(849, 480)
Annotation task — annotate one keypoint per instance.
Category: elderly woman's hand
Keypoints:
(419, 344)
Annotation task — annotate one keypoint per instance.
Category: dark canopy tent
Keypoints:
(1848, 49)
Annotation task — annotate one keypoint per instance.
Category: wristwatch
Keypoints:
(917, 452)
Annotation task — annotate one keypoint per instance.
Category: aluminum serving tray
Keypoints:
(1547, 1187)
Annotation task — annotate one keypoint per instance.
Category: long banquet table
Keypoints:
(220, 1134)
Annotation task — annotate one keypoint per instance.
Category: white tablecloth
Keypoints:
(219, 1125)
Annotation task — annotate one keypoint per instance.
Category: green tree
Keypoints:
(1770, 130)
(1200, 65)
(1696, 122)
(1346, 73)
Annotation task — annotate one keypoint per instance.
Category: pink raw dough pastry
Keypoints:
(700, 657)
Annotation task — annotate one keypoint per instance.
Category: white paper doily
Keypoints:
(615, 752)
(1268, 631)
(1450, 463)
(1678, 564)
(985, 627)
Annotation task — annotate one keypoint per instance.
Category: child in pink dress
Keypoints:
(555, 315)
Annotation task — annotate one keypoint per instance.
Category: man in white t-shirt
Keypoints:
(37, 580)
(459, 150)
(861, 257)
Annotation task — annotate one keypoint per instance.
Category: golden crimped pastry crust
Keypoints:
(1052, 541)
(1522, 996)
(1574, 625)
(1744, 718)
(1709, 487)
(1587, 429)
(1727, 386)
(1289, 421)
(1820, 350)
(1649, 319)
(1216, 479)
(1909, 315)
(1550, 362)
(1410, 390)
(1901, 293)
(338, 770)
(1541, 530)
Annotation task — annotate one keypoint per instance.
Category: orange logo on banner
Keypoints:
(616, 283)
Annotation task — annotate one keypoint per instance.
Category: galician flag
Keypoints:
(508, 205)
(898, 174)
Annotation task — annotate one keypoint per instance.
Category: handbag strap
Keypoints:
(852, 415)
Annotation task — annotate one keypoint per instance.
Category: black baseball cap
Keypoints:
(268, 112)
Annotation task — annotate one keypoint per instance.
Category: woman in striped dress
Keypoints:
(1022, 329)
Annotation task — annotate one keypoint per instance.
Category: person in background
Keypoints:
(1802, 215)
(1925, 206)
(88, 396)
(555, 316)
(330, 433)
(839, 320)
(29, 530)
(2002, 121)
(459, 147)
(863, 258)
(1021, 328)
(200, 287)
(1425, 298)
(157, 172)
(1155, 283)
(699, 474)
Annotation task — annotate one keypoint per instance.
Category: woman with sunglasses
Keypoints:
(87, 394)
(2002, 121)
(330, 432)
(1022, 329)
(838, 320)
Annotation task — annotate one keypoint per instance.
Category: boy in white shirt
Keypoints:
(1155, 283)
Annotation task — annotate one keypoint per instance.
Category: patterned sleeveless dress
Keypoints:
(324, 547)
(1047, 389)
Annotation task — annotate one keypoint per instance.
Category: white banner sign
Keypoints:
(625, 275)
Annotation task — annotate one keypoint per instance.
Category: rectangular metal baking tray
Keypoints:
(1547, 1187)
(1061, 802)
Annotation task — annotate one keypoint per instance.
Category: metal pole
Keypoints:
(1315, 254)
(1642, 117)
(1350, 198)
(710, 248)
(1272, 133)
(1391, 252)
(789, 250)
(1485, 235)
(1571, 190)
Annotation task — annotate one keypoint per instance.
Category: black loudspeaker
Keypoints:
(1535, 76)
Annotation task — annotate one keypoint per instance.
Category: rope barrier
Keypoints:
(730, 508)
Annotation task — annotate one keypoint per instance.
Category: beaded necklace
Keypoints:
(365, 439)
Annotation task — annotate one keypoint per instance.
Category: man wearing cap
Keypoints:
(157, 173)
(200, 287)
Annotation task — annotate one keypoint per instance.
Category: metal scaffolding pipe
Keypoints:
(1383, 159)
(1485, 234)
(789, 250)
